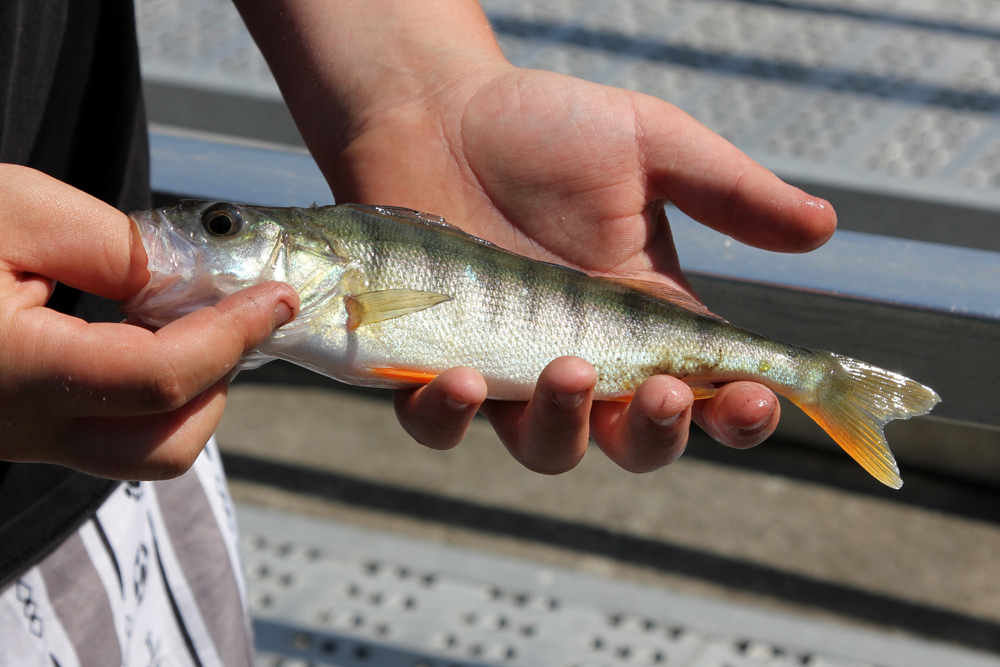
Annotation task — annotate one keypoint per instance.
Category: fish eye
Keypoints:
(222, 220)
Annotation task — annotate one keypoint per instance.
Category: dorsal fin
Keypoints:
(667, 293)
(414, 215)
(559, 266)
(410, 216)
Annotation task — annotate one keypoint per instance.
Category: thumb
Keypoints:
(719, 186)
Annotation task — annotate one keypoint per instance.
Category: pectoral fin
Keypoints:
(371, 307)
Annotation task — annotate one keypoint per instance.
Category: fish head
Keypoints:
(199, 252)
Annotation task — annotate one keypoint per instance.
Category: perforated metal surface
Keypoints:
(887, 95)
(325, 593)
(201, 43)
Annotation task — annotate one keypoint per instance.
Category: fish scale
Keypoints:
(392, 298)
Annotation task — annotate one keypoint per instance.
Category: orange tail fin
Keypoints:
(856, 401)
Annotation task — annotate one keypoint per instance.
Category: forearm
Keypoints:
(341, 63)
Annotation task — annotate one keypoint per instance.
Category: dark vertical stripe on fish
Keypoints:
(635, 310)
(375, 231)
(497, 297)
(576, 305)
(435, 259)
(710, 347)
(529, 285)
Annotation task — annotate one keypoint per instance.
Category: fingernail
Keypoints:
(282, 313)
(569, 401)
(454, 405)
(666, 422)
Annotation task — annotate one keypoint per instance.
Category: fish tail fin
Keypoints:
(854, 403)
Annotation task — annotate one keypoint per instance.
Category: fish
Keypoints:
(392, 297)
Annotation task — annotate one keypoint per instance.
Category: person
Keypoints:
(401, 103)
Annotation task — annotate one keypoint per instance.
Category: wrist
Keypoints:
(343, 66)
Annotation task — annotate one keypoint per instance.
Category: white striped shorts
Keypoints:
(153, 579)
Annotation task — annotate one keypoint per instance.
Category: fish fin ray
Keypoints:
(405, 375)
(562, 267)
(703, 391)
(861, 400)
(664, 292)
(371, 307)
(413, 217)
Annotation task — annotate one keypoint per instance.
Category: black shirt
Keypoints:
(71, 106)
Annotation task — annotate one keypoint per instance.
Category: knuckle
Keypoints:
(173, 464)
(166, 390)
(168, 394)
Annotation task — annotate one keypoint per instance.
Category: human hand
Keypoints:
(114, 400)
(571, 172)
(550, 167)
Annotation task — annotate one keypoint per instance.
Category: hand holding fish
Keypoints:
(413, 105)
(113, 400)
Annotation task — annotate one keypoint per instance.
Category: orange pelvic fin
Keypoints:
(402, 375)
(702, 391)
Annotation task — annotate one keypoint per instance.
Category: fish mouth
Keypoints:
(178, 283)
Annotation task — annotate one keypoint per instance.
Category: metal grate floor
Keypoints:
(324, 593)
(896, 96)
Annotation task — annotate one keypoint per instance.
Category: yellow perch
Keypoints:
(392, 297)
